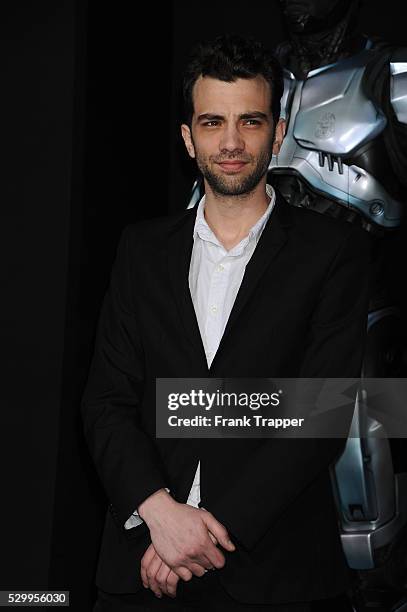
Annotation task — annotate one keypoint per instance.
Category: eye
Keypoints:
(252, 122)
(211, 123)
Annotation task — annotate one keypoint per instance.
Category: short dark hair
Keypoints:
(230, 57)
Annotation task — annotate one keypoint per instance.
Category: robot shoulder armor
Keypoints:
(398, 88)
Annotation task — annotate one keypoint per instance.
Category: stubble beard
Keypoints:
(234, 185)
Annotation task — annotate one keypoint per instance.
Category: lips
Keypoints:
(232, 166)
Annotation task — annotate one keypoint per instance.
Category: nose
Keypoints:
(231, 139)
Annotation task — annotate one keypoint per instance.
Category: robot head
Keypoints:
(310, 16)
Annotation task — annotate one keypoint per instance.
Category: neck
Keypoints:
(231, 217)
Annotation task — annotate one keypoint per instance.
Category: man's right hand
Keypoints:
(180, 534)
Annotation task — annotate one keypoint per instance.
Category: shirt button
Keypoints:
(220, 268)
(214, 308)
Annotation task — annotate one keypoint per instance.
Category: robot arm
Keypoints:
(385, 83)
(398, 85)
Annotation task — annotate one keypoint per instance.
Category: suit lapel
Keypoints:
(273, 238)
(179, 252)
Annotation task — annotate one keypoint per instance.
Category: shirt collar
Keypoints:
(204, 231)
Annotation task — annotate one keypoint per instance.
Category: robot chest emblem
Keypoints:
(325, 127)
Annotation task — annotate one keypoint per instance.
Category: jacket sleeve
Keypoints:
(125, 457)
(282, 468)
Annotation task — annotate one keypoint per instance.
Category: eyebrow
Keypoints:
(248, 115)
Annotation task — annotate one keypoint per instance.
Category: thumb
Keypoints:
(218, 530)
(212, 537)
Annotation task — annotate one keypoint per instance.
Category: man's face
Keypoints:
(231, 133)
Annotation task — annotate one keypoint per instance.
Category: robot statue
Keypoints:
(345, 155)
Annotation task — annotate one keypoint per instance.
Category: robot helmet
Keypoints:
(312, 16)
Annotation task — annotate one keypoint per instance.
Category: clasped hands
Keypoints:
(184, 543)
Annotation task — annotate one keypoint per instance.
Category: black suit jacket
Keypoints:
(300, 311)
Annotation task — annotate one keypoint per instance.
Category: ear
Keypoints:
(279, 135)
(186, 135)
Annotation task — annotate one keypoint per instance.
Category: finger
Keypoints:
(151, 575)
(213, 555)
(208, 563)
(203, 562)
(208, 557)
(172, 581)
(197, 569)
(183, 572)
(214, 540)
(145, 562)
(199, 561)
(218, 530)
(161, 577)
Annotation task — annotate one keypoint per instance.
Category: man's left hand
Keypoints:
(156, 575)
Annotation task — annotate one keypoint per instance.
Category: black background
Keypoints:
(89, 143)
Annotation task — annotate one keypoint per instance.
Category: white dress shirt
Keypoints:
(215, 276)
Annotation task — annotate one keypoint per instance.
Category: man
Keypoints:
(241, 286)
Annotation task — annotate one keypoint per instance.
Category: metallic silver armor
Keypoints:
(330, 122)
(398, 89)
